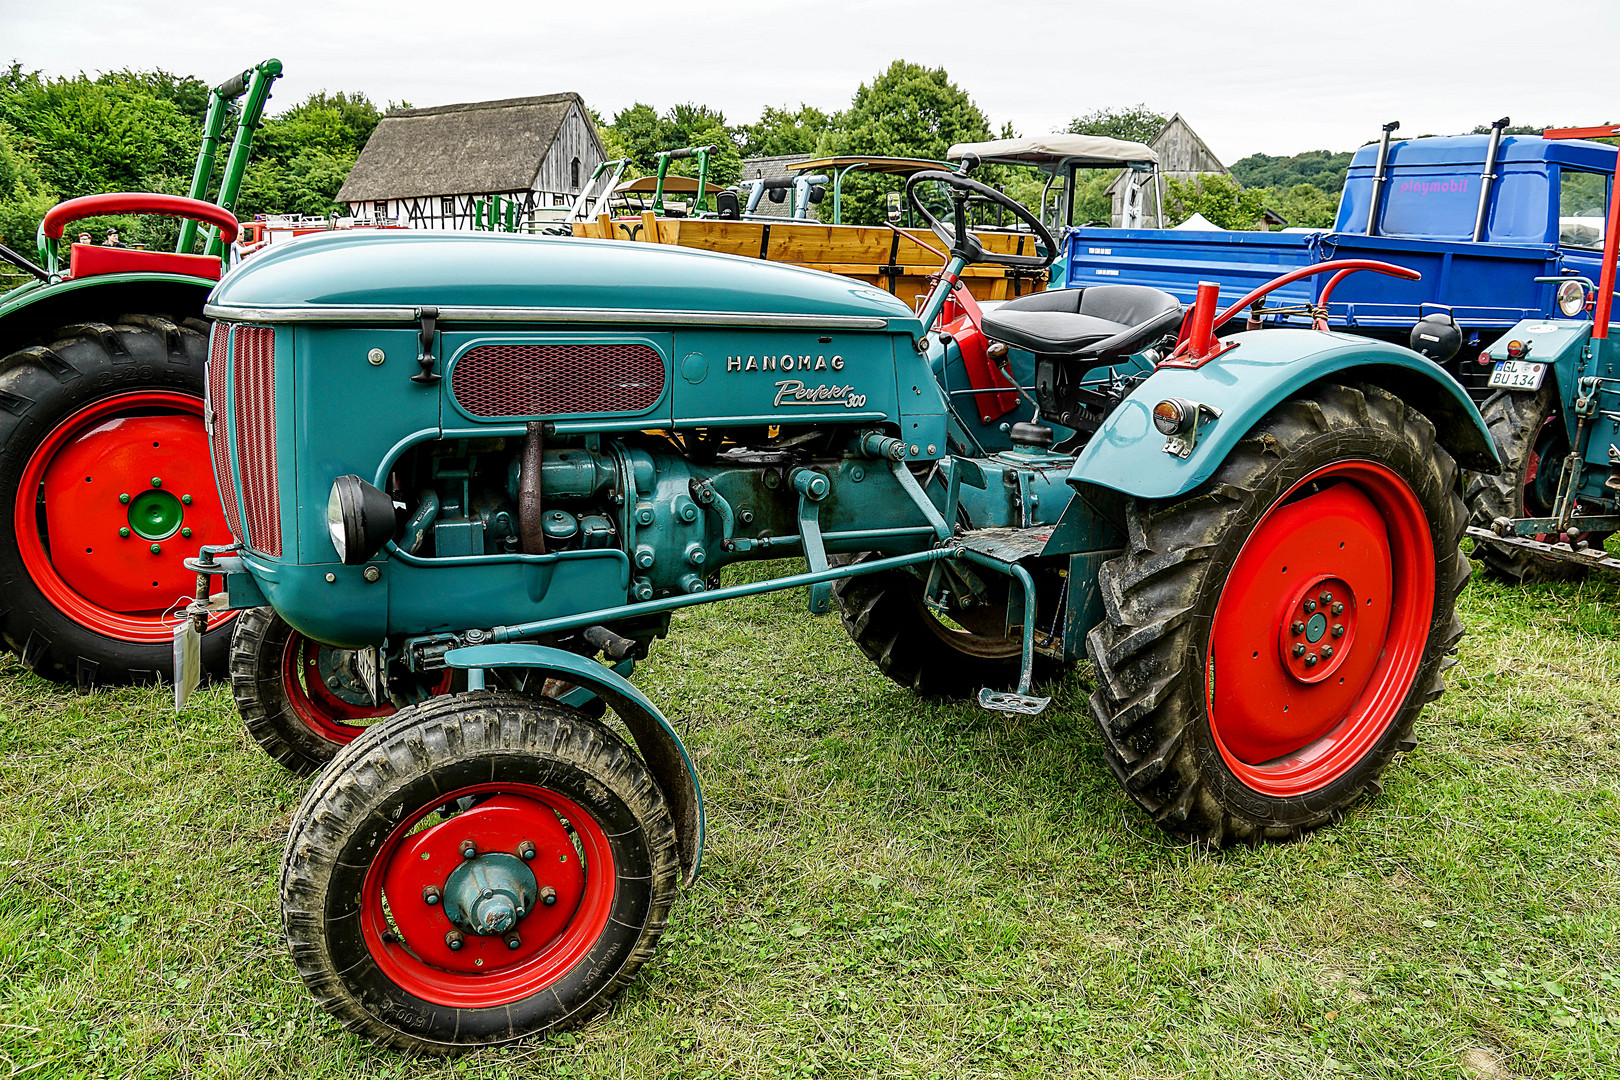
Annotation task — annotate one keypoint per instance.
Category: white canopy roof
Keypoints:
(1049, 149)
(1198, 223)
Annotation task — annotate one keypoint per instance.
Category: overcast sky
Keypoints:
(1249, 76)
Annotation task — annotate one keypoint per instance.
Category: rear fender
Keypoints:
(1245, 383)
(661, 748)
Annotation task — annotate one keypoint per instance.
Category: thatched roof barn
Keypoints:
(427, 168)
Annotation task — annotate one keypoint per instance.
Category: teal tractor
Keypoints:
(104, 478)
(483, 472)
(1554, 411)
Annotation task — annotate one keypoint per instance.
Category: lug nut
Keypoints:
(124, 532)
(1298, 627)
(527, 851)
(513, 941)
(1327, 651)
(186, 532)
(455, 940)
(124, 498)
(1338, 630)
(1310, 605)
(1299, 650)
(157, 549)
(430, 895)
(157, 481)
(186, 499)
(548, 896)
(1338, 609)
(468, 849)
(333, 681)
(1310, 661)
(1326, 597)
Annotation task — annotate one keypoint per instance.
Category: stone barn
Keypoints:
(426, 168)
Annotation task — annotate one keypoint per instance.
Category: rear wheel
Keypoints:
(1529, 433)
(952, 657)
(104, 469)
(480, 868)
(1270, 640)
(303, 701)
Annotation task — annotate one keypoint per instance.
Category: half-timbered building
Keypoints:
(431, 168)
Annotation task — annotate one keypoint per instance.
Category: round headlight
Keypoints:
(1571, 298)
(360, 519)
(1172, 416)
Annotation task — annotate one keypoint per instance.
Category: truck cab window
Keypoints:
(1583, 199)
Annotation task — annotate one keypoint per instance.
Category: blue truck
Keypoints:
(1480, 216)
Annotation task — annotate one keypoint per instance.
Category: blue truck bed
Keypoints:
(1537, 226)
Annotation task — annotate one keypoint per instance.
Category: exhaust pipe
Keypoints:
(1486, 179)
(530, 533)
(1380, 174)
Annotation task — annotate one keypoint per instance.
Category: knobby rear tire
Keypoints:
(1152, 702)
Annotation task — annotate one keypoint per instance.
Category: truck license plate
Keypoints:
(1516, 375)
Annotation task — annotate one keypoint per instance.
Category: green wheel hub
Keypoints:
(155, 515)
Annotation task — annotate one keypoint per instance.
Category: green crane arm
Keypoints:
(255, 82)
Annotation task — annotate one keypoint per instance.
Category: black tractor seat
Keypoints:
(1087, 323)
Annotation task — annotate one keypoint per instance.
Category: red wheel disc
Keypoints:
(406, 935)
(1320, 628)
(331, 715)
(92, 554)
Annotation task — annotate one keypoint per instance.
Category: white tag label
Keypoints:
(187, 662)
(1107, 273)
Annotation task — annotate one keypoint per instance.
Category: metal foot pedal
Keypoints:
(1009, 701)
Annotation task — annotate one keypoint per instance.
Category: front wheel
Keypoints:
(303, 701)
(1270, 640)
(479, 868)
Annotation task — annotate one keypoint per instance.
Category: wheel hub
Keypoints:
(486, 890)
(1318, 629)
(156, 515)
(490, 894)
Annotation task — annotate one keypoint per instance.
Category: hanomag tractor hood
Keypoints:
(386, 276)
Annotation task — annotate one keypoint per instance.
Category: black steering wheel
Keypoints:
(957, 237)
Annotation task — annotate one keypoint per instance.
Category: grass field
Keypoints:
(891, 887)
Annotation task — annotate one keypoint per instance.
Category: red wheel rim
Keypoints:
(1300, 688)
(406, 936)
(330, 715)
(117, 585)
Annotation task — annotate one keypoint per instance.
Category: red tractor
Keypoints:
(104, 464)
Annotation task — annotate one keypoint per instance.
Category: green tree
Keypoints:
(302, 156)
(784, 131)
(24, 198)
(1322, 169)
(906, 111)
(639, 133)
(1302, 206)
(1135, 123)
(1224, 202)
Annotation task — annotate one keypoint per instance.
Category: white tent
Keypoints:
(1199, 223)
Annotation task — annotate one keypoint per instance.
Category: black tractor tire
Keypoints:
(40, 386)
(1524, 427)
(404, 767)
(1154, 650)
(885, 616)
(302, 726)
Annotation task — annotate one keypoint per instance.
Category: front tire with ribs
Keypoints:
(479, 868)
(303, 701)
(1530, 438)
(105, 476)
(1270, 639)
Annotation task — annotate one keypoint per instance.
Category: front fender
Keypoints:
(661, 748)
(1267, 367)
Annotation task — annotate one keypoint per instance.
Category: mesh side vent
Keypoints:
(256, 436)
(552, 380)
(214, 398)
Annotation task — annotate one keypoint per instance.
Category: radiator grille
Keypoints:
(217, 422)
(255, 365)
(551, 380)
